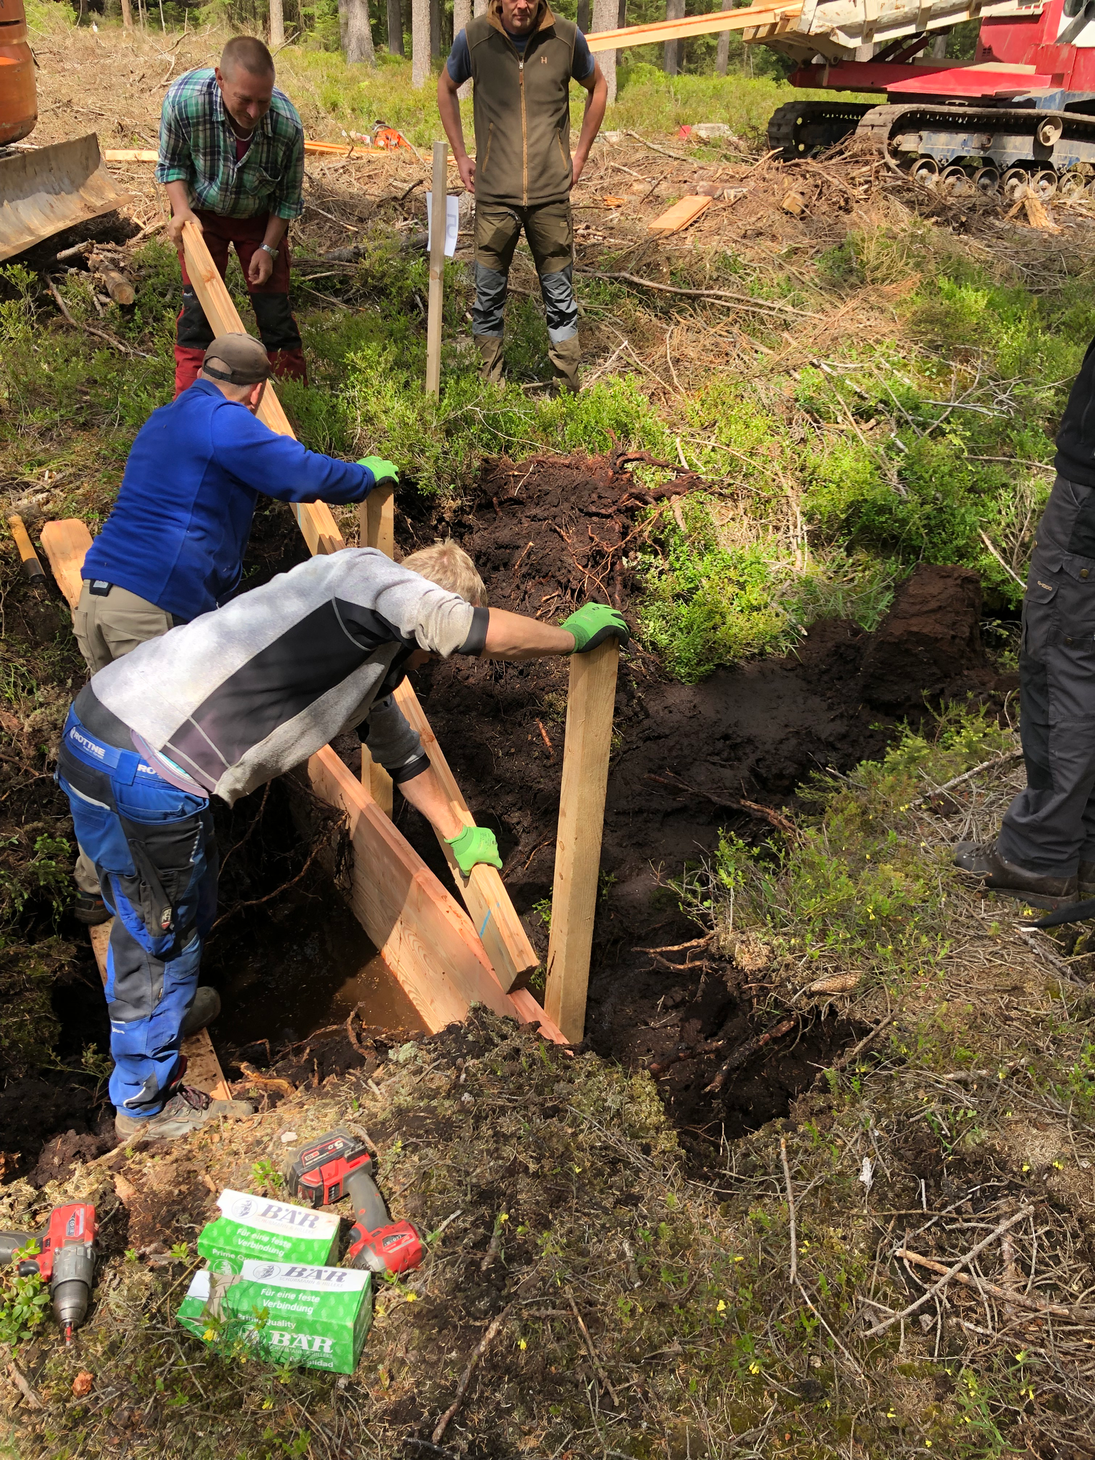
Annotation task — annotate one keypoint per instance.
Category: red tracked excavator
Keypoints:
(1020, 114)
(43, 190)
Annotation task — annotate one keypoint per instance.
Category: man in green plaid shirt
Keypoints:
(232, 161)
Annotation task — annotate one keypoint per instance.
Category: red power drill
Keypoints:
(338, 1164)
(65, 1260)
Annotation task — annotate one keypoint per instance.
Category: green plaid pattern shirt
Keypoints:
(198, 147)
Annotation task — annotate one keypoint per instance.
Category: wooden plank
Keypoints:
(672, 30)
(484, 893)
(581, 824)
(683, 212)
(65, 544)
(314, 518)
(203, 1068)
(311, 149)
(376, 529)
(438, 206)
(423, 934)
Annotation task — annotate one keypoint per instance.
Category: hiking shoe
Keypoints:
(1085, 876)
(187, 1110)
(90, 909)
(1000, 875)
(204, 1009)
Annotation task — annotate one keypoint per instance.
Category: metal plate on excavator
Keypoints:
(44, 190)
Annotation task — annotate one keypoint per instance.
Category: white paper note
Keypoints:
(452, 222)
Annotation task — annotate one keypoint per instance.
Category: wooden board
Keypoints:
(65, 544)
(311, 149)
(672, 30)
(483, 890)
(376, 529)
(683, 212)
(581, 823)
(203, 1068)
(422, 933)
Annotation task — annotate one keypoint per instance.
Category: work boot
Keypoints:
(1000, 875)
(490, 352)
(1085, 876)
(187, 1110)
(204, 1009)
(566, 356)
(90, 909)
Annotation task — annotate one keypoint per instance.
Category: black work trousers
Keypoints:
(1050, 827)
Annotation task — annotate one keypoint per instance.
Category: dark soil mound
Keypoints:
(690, 760)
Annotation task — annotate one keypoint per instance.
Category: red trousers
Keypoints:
(270, 301)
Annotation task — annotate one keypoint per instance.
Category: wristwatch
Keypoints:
(273, 252)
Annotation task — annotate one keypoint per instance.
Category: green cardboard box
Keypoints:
(254, 1227)
(288, 1312)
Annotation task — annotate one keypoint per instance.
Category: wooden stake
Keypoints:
(376, 529)
(438, 205)
(581, 824)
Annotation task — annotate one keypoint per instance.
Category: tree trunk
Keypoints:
(420, 42)
(605, 15)
(277, 24)
(435, 29)
(722, 55)
(674, 10)
(621, 15)
(461, 15)
(480, 7)
(127, 16)
(359, 36)
(343, 23)
(395, 28)
(583, 16)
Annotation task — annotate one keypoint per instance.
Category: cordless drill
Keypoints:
(337, 1165)
(65, 1260)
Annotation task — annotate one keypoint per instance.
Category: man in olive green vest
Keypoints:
(521, 59)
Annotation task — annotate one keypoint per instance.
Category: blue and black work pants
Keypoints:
(549, 230)
(156, 859)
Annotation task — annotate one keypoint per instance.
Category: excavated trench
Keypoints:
(306, 997)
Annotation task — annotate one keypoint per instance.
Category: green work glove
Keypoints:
(474, 844)
(383, 471)
(593, 624)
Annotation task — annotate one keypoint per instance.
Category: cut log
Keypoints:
(581, 824)
(203, 1068)
(32, 568)
(115, 283)
(683, 212)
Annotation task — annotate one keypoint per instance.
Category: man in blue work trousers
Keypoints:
(222, 705)
(173, 546)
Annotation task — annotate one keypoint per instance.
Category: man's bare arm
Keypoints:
(513, 636)
(448, 104)
(596, 100)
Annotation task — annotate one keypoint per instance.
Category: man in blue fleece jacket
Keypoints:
(173, 546)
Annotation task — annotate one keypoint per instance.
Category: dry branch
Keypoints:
(759, 306)
(1013, 1221)
(1007, 1295)
(465, 1378)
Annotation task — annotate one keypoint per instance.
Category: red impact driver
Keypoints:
(65, 1260)
(338, 1164)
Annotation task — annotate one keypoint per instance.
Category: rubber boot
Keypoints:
(289, 364)
(566, 356)
(490, 351)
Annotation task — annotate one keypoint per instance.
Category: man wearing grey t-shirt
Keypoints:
(224, 704)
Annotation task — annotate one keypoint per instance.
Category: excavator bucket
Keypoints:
(46, 189)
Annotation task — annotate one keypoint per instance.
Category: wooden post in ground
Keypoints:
(581, 824)
(438, 204)
(376, 529)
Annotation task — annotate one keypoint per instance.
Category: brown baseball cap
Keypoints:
(237, 359)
